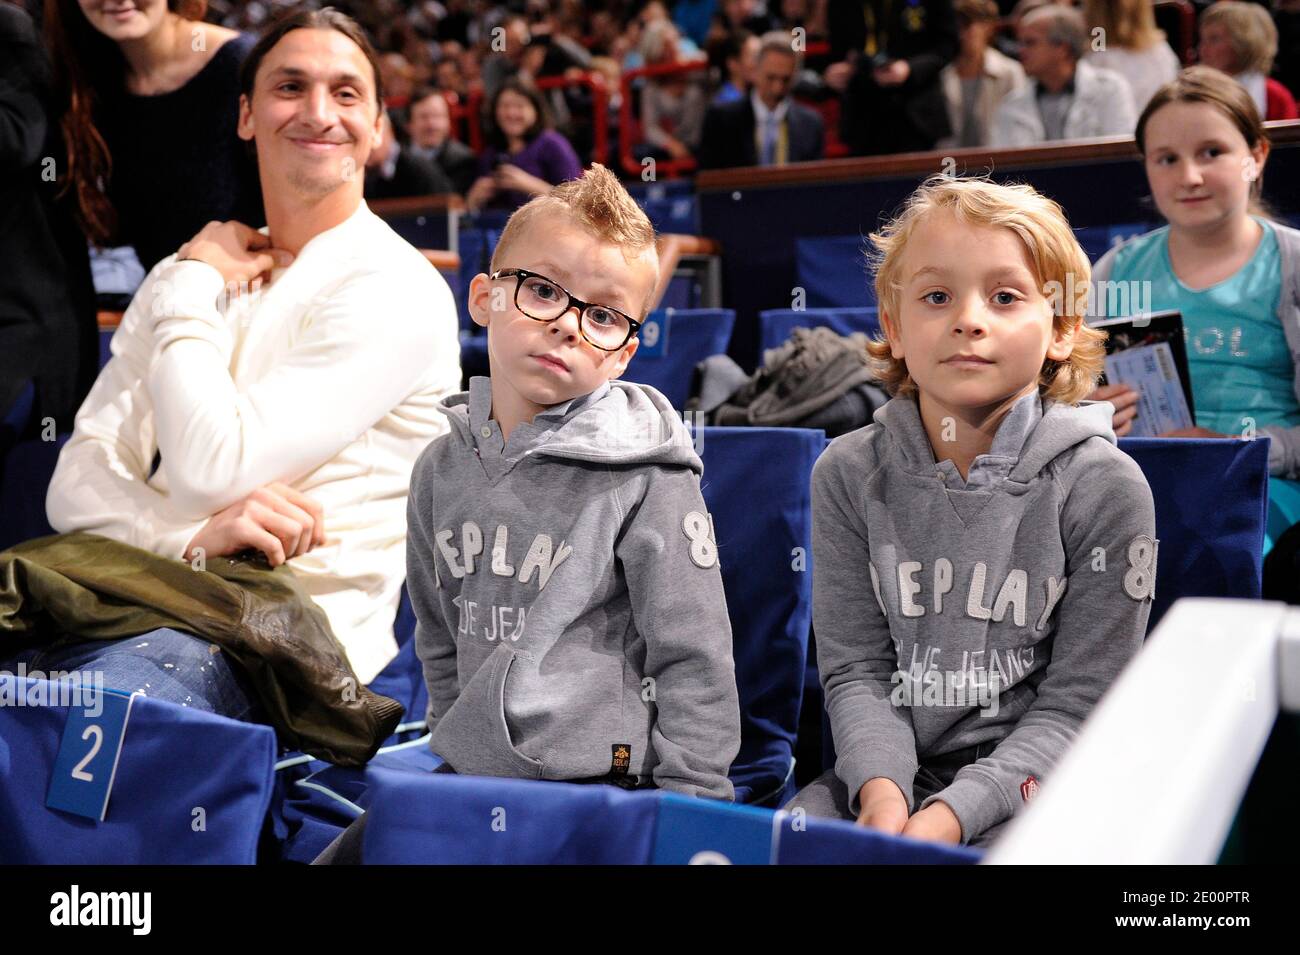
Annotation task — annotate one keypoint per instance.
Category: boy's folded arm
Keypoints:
(1101, 622)
(674, 583)
(855, 653)
(435, 643)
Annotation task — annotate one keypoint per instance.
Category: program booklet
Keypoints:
(1149, 353)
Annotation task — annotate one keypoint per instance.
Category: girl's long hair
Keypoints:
(85, 63)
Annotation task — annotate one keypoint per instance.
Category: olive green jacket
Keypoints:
(102, 589)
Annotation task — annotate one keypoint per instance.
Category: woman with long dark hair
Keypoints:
(525, 156)
(149, 97)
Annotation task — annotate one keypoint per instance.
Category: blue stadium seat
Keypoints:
(673, 342)
(423, 818)
(425, 230)
(1211, 499)
(190, 787)
(776, 325)
(814, 841)
(403, 678)
(465, 819)
(756, 486)
(475, 247)
(683, 292)
(832, 271)
(679, 215)
(25, 472)
(671, 205)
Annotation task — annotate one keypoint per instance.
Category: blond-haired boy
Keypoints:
(560, 560)
(985, 554)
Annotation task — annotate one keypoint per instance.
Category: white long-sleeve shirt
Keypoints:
(327, 381)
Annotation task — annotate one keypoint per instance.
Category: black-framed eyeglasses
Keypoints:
(545, 300)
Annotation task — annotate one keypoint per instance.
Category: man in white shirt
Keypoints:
(271, 390)
(1068, 98)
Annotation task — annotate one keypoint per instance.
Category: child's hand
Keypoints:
(936, 823)
(883, 806)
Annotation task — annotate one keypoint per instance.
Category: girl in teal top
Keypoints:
(1224, 268)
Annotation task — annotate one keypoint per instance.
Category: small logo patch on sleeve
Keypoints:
(1029, 788)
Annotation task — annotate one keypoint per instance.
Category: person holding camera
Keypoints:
(887, 58)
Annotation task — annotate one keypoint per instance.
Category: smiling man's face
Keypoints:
(313, 113)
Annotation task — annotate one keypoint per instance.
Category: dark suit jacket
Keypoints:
(728, 138)
(412, 176)
(903, 118)
(47, 306)
(460, 164)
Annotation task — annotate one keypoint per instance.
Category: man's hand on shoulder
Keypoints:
(276, 519)
(883, 805)
(240, 253)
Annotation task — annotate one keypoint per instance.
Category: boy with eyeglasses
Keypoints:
(560, 560)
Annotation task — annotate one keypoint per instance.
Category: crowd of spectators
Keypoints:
(731, 82)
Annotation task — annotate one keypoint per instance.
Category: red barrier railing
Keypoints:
(595, 83)
(1184, 15)
(628, 122)
(463, 121)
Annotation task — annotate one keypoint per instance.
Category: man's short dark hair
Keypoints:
(305, 18)
(421, 94)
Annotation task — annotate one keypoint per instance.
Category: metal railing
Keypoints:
(628, 121)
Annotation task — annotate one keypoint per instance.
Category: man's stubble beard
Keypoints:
(316, 184)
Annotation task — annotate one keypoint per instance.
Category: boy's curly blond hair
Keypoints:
(1060, 265)
(598, 204)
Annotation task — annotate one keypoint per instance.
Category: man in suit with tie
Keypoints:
(767, 127)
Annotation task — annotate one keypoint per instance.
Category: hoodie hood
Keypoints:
(624, 424)
(1060, 428)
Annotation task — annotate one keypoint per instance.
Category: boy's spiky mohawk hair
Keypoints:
(597, 203)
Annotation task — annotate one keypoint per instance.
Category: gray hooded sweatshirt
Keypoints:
(570, 613)
(995, 610)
